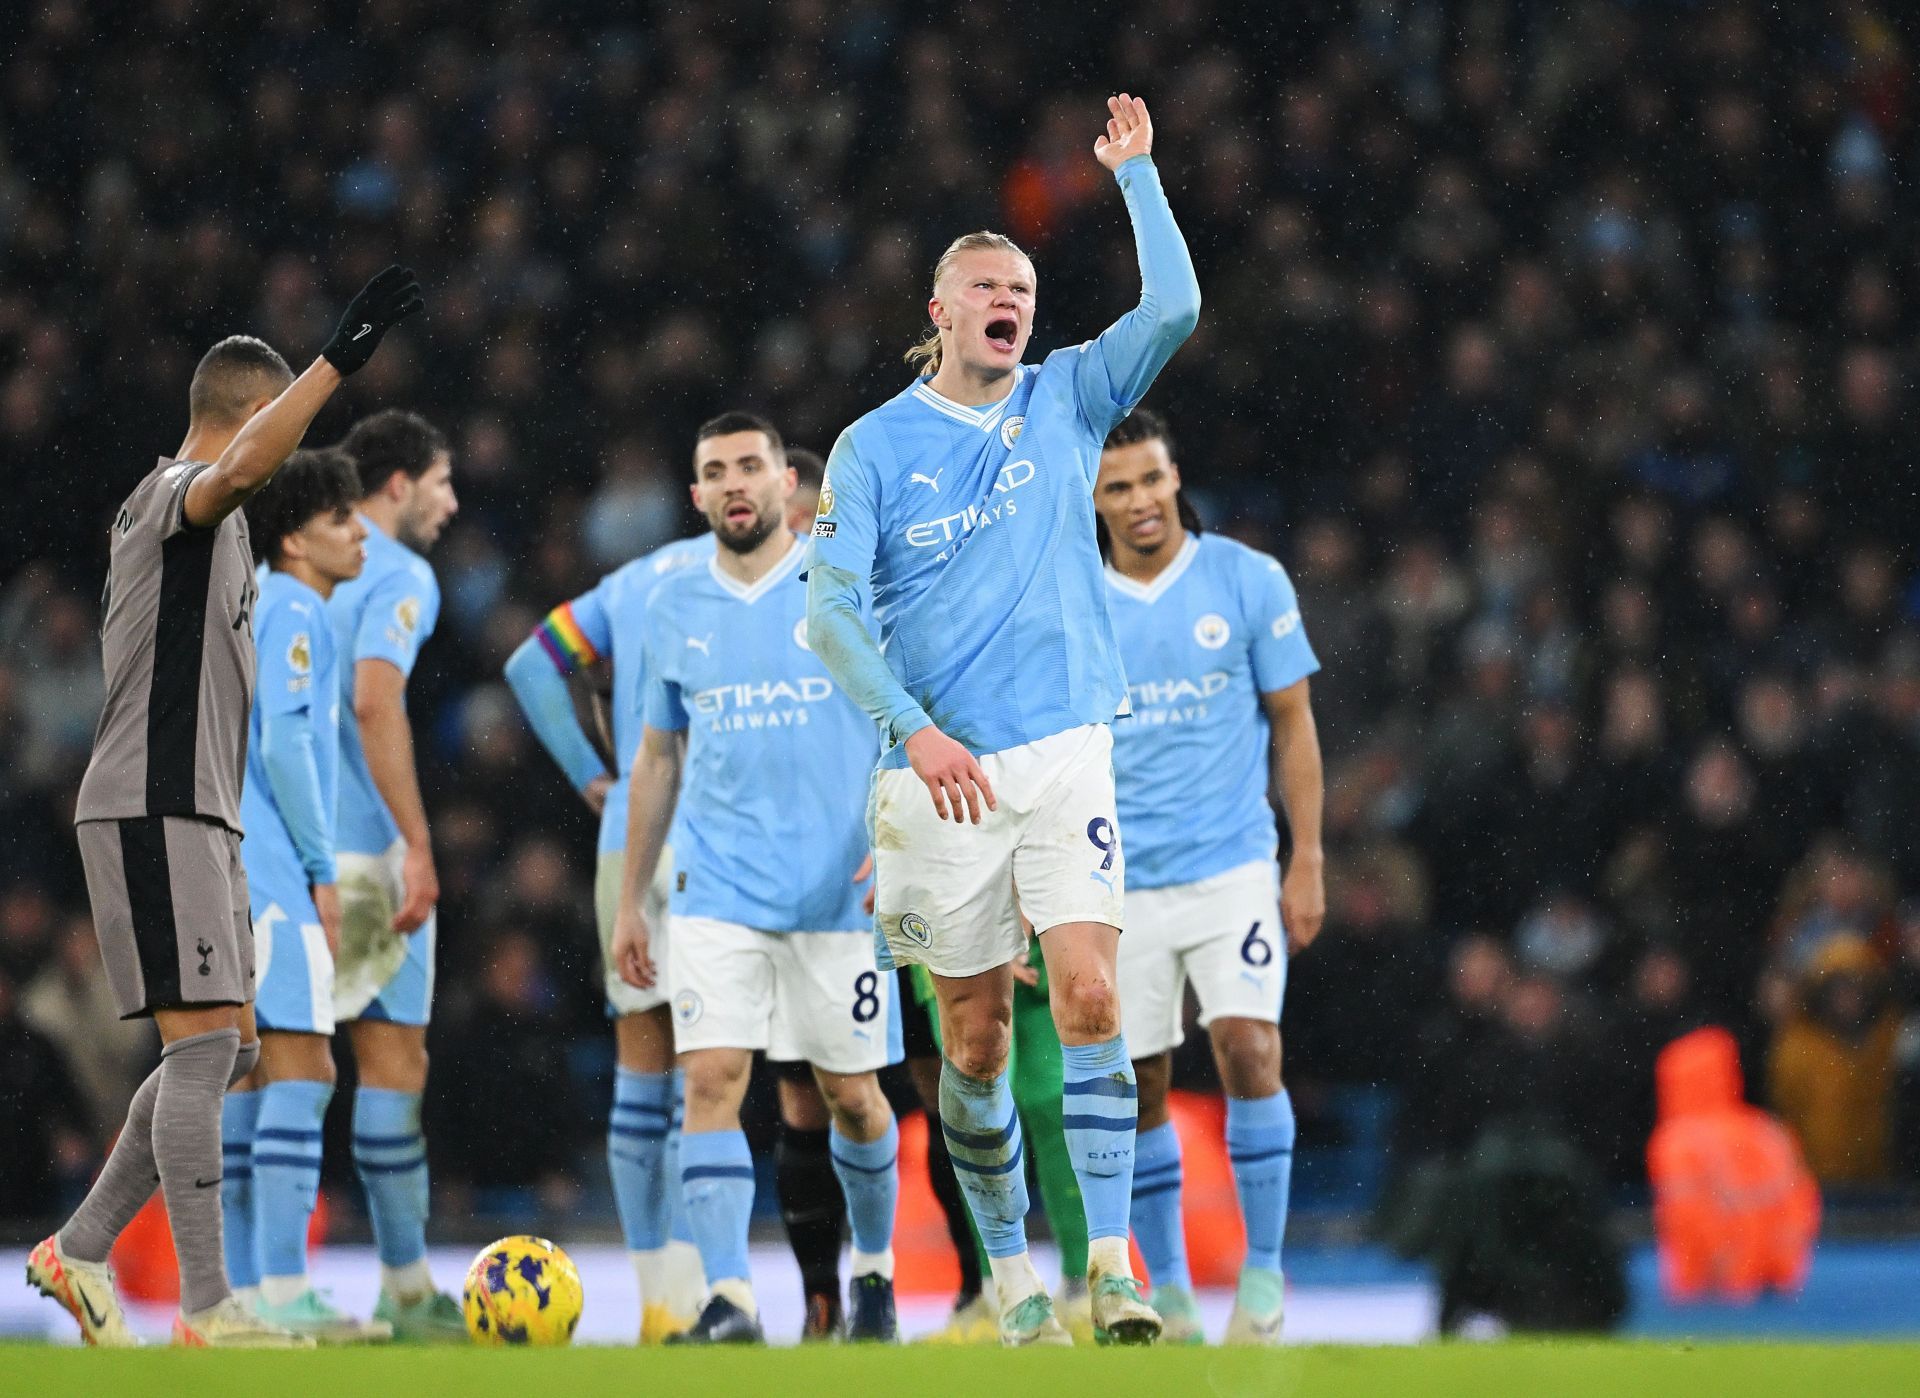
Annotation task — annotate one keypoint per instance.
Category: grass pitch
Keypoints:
(1536, 1370)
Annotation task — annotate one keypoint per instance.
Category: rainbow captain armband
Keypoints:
(565, 643)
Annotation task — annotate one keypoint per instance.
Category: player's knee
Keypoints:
(1249, 1059)
(859, 1106)
(1087, 1006)
(979, 1051)
(713, 1085)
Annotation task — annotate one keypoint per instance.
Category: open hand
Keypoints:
(632, 957)
(951, 774)
(1303, 900)
(861, 875)
(420, 886)
(326, 902)
(1129, 132)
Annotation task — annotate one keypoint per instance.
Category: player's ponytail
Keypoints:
(924, 356)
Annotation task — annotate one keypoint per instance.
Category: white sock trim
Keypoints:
(872, 1263)
(278, 1291)
(1014, 1279)
(408, 1283)
(739, 1291)
(1108, 1256)
(650, 1270)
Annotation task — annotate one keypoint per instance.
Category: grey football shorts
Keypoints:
(170, 911)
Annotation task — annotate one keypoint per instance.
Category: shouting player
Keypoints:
(963, 508)
(1217, 664)
(383, 981)
(158, 815)
(608, 623)
(766, 946)
(305, 529)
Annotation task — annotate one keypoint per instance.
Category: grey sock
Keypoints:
(125, 1184)
(244, 1061)
(186, 1148)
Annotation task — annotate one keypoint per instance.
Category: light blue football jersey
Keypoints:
(974, 526)
(386, 613)
(297, 674)
(1217, 629)
(613, 619)
(771, 822)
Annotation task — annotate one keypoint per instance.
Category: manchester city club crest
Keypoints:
(914, 928)
(688, 1007)
(800, 634)
(1010, 430)
(1212, 631)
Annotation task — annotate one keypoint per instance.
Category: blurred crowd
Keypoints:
(1560, 350)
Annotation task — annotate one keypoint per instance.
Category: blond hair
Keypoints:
(925, 353)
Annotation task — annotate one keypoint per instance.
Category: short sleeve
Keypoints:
(1281, 653)
(846, 531)
(662, 705)
(589, 613)
(287, 645)
(400, 613)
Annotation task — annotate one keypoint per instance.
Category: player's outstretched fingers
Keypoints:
(936, 787)
(979, 777)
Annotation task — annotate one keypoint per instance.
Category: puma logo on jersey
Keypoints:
(703, 644)
(932, 481)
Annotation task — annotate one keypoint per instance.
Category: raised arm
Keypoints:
(272, 434)
(1121, 364)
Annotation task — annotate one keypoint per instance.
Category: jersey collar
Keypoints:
(985, 418)
(735, 588)
(1169, 575)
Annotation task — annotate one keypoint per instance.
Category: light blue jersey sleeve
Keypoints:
(1115, 370)
(839, 595)
(286, 646)
(399, 615)
(573, 634)
(664, 707)
(1280, 652)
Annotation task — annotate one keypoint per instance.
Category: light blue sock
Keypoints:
(238, 1115)
(869, 1174)
(636, 1147)
(286, 1173)
(1099, 1107)
(989, 1161)
(1260, 1145)
(716, 1174)
(679, 1226)
(391, 1156)
(1157, 1224)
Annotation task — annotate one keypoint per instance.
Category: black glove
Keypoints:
(382, 304)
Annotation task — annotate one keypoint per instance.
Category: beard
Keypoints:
(754, 535)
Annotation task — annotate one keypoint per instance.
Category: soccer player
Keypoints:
(608, 624)
(305, 528)
(158, 814)
(1217, 662)
(383, 977)
(963, 508)
(766, 945)
(811, 1204)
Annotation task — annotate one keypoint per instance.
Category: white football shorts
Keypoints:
(1223, 933)
(945, 892)
(381, 973)
(624, 999)
(803, 997)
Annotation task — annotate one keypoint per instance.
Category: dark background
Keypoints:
(1564, 352)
